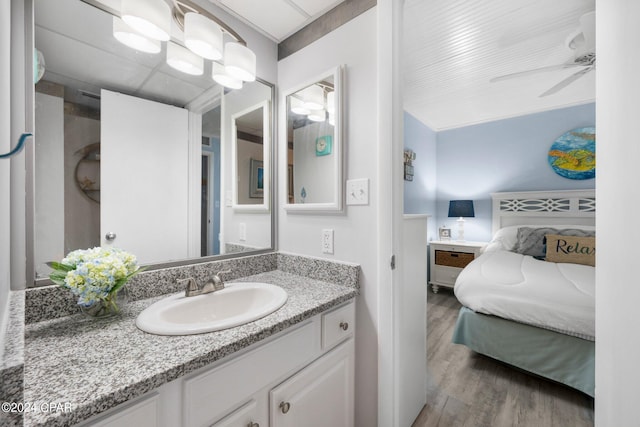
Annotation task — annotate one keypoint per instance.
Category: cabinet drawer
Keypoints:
(445, 275)
(338, 325)
(453, 259)
(143, 413)
(246, 415)
(210, 395)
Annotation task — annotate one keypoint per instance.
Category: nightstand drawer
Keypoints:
(445, 275)
(453, 259)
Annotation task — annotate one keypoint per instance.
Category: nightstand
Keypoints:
(448, 258)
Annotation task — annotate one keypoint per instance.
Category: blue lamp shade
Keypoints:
(461, 209)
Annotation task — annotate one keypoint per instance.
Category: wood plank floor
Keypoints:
(471, 390)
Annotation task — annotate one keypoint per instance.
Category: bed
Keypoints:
(533, 314)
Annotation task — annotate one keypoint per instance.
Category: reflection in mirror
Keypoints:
(314, 145)
(249, 148)
(126, 144)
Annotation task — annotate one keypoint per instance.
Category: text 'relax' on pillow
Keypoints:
(571, 249)
(530, 240)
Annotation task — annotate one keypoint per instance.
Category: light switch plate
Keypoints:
(358, 191)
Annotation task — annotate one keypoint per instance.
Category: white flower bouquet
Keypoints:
(95, 276)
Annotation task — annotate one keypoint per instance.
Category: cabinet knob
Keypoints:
(344, 326)
(252, 424)
(110, 236)
(284, 407)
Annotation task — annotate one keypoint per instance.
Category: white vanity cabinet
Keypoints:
(307, 369)
(320, 395)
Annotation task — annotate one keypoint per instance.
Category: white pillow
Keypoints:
(507, 237)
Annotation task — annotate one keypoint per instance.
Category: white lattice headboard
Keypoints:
(576, 207)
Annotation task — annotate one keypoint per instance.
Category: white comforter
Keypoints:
(518, 287)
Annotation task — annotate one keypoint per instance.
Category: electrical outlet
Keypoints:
(327, 241)
(358, 191)
(242, 232)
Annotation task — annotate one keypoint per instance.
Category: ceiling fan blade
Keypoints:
(566, 82)
(535, 71)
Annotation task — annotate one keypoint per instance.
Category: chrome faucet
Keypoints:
(215, 283)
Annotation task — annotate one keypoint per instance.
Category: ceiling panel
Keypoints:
(314, 8)
(453, 48)
(277, 18)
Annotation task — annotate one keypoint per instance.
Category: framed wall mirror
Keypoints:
(133, 153)
(251, 145)
(314, 144)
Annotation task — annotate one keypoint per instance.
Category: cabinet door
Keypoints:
(320, 395)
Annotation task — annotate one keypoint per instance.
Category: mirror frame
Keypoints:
(336, 205)
(263, 207)
(27, 246)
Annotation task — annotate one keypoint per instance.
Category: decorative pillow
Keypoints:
(531, 241)
(507, 237)
(571, 249)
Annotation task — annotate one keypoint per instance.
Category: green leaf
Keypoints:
(120, 283)
(60, 266)
(58, 277)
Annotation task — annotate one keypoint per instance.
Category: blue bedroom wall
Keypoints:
(420, 194)
(505, 155)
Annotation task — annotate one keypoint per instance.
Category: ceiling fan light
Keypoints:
(318, 115)
(297, 107)
(184, 60)
(149, 17)
(220, 76)
(129, 37)
(240, 61)
(203, 36)
(313, 97)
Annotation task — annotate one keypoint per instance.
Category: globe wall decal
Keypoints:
(573, 154)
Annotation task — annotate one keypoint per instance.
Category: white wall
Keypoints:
(5, 136)
(354, 45)
(617, 290)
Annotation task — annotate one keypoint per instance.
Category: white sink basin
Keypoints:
(235, 305)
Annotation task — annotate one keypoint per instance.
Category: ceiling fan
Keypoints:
(583, 43)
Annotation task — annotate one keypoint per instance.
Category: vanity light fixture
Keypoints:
(149, 17)
(317, 115)
(240, 61)
(297, 108)
(130, 37)
(182, 59)
(313, 97)
(220, 75)
(331, 102)
(204, 36)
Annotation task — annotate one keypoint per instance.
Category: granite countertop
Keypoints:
(86, 366)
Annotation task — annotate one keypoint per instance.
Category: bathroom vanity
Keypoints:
(293, 367)
(303, 376)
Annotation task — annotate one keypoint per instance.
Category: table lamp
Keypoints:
(461, 209)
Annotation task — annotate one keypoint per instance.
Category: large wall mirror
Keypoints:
(133, 153)
(314, 144)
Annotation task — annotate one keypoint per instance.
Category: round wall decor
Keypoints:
(573, 154)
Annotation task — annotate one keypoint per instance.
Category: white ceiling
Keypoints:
(277, 19)
(452, 48)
